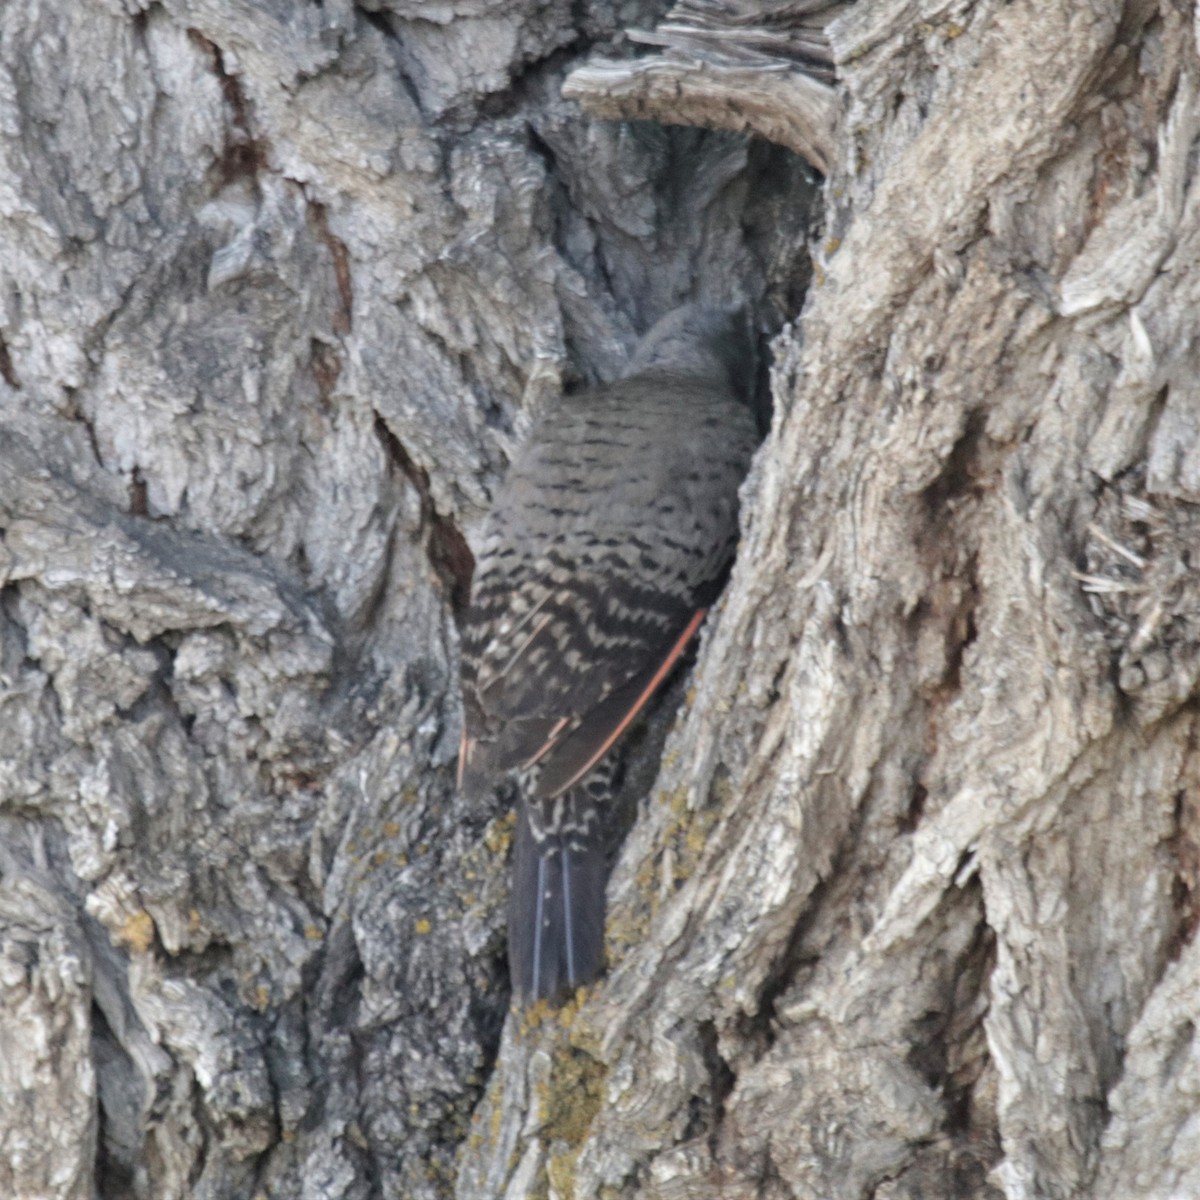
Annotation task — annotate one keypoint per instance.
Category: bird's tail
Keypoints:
(556, 922)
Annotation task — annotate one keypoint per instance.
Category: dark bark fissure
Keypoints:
(1184, 846)
(708, 1112)
(244, 155)
(449, 555)
(6, 368)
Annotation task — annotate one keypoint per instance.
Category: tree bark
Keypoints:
(909, 910)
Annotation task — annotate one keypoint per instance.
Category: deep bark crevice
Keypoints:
(449, 555)
(244, 155)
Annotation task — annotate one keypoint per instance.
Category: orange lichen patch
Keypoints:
(498, 835)
(138, 931)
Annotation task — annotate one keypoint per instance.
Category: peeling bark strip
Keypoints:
(727, 66)
(343, 316)
(912, 910)
(793, 110)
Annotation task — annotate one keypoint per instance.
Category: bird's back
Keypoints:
(616, 521)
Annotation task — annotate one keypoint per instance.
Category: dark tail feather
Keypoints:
(556, 920)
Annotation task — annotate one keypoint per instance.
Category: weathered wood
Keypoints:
(911, 908)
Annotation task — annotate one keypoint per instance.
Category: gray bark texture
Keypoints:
(909, 910)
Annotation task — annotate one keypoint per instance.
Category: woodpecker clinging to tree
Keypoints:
(608, 540)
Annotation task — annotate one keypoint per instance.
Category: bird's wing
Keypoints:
(577, 749)
(559, 683)
(610, 534)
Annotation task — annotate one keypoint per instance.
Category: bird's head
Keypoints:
(700, 339)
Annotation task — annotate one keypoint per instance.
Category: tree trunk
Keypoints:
(910, 908)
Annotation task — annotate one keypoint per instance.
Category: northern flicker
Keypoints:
(608, 540)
